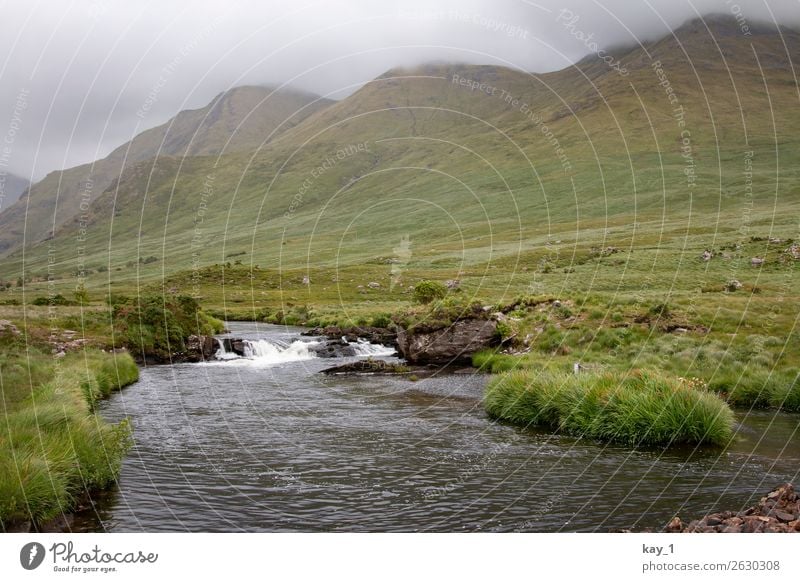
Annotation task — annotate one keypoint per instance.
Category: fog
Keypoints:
(80, 78)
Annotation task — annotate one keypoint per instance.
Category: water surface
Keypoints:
(271, 445)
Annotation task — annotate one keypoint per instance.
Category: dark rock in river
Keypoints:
(454, 343)
(333, 350)
(369, 366)
(778, 512)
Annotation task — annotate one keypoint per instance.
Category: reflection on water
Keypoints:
(226, 447)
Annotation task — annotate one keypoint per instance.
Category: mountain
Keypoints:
(482, 170)
(241, 119)
(11, 188)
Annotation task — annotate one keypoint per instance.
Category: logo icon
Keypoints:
(31, 555)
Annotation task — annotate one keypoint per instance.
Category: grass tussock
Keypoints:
(53, 448)
(641, 408)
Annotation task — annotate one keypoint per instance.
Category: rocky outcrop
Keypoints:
(374, 335)
(778, 512)
(200, 348)
(454, 343)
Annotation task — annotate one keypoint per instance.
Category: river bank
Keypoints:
(55, 450)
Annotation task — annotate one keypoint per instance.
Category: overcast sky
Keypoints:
(74, 74)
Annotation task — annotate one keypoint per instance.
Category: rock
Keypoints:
(8, 327)
(452, 284)
(374, 285)
(775, 512)
(333, 350)
(756, 262)
(367, 367)
(794, 251)
(200, 348)
(306, 281)
(455, 343)
(374, 335)
(733, 285)
(674, 525)
(706, 256)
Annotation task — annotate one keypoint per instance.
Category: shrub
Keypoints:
(54, 300)
(382, 320)
(428, 291)
(156, 326)
(643, 408)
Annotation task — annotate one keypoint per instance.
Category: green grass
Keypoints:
(643, 408)
(53, 448)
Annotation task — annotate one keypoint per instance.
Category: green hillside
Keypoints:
(511, 182)
(241, 119)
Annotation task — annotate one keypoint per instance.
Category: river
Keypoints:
(270, 444)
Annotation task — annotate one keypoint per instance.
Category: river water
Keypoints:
(268, 443)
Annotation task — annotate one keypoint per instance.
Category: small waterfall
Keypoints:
(364, 348)
(222, 354)
(268, 352)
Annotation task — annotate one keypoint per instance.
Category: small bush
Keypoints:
(428, 291)
(54, 300)
(382, 320)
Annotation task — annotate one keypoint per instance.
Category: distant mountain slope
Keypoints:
(240, 119)
(481, 166)
(11, 188)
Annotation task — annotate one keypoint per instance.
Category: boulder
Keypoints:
(8, 327)
(367, 367)
(333, 349)
(707, 255)
(455, 343)
(756, 262)
(201, 348)
(733, 285)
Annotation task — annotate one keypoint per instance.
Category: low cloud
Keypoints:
(98, 72)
